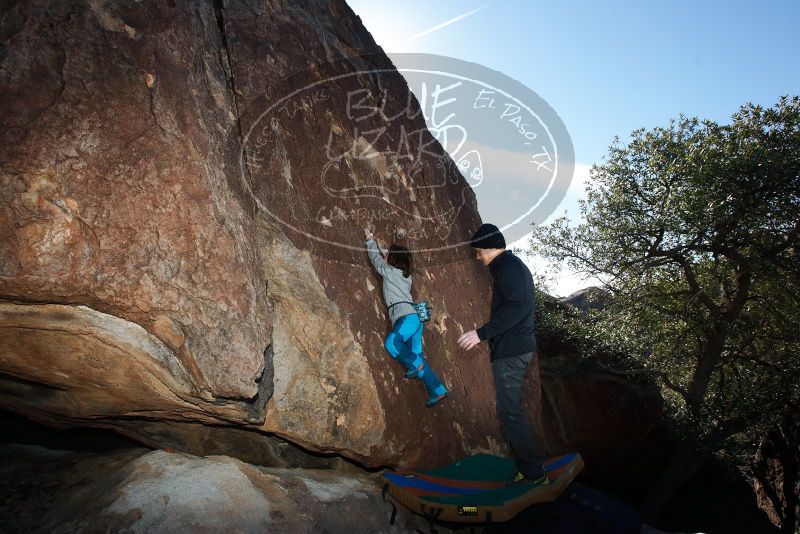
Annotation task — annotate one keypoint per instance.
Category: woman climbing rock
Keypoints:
(404, 342)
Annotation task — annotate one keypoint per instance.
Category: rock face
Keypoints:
(113, 195)
(777, 471)
(162, 266)
(617, 425)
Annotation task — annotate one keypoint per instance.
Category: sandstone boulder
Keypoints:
(164, 252)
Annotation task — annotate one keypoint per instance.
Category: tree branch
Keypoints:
(691, 279)
(652, 372)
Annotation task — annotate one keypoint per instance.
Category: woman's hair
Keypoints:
(400, 257)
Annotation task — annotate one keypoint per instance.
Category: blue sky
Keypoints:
(610, 67)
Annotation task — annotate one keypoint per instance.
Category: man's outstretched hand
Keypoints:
(467, 340)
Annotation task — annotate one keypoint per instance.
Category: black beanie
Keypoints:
(488, 236)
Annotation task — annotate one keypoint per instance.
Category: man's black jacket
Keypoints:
(510, 327)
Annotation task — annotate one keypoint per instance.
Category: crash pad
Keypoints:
(478, 488)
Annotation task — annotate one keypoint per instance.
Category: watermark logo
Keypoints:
(417, 149)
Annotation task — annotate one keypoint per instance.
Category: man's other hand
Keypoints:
(468, 340)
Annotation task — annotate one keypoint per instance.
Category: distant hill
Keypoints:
(590, 298)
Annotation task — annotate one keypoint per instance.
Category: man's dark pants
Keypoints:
(509, 375)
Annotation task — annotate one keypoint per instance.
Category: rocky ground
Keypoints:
(143, 490)
(93, 480)
(139, 490)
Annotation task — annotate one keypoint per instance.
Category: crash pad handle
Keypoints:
(394, 508)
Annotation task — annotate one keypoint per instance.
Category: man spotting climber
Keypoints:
(512, 345)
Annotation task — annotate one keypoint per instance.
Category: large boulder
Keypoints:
(615, 420)
(616, 424)
(162, 268)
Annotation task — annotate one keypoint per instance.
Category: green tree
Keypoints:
(693, 229)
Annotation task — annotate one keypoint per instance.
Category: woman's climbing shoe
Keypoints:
(436, 398)
(413, 373)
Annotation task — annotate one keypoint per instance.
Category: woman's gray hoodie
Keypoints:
(396, 287)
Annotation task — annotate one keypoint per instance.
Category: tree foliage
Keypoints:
(694, 230)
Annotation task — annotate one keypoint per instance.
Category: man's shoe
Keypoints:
(522, 479)
(433, 401)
